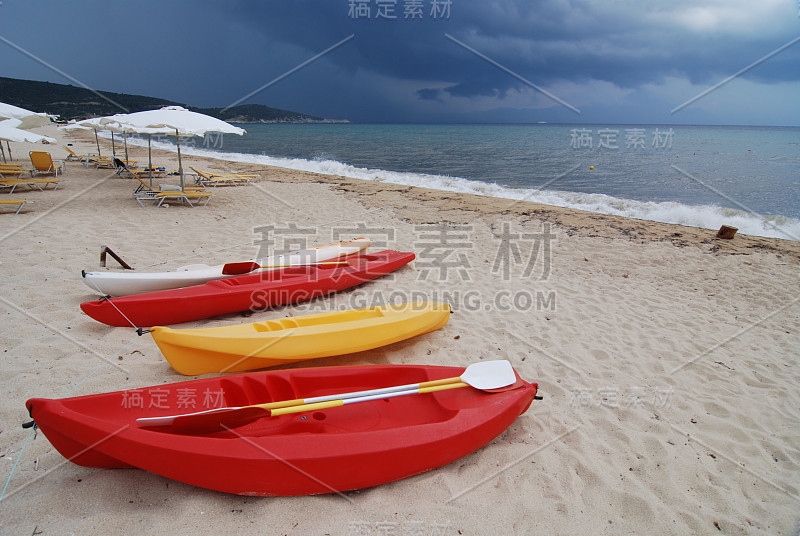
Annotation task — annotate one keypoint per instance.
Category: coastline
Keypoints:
(439, 205)
(667, 358)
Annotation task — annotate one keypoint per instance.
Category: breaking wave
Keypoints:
(703, 216)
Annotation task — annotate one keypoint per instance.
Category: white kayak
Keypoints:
(126, 283)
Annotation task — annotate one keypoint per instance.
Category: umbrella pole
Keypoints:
(113, 147)
(125, 134)
(180, 166)
(97, 141)
(4, 153)
(9, 151)
(149, 161)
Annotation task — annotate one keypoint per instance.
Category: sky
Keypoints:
(722, 62)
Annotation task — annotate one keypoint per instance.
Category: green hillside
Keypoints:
(70, 102)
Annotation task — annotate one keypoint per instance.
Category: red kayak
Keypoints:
(315, 451)
(247, 292)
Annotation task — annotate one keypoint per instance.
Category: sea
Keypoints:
(701, 176)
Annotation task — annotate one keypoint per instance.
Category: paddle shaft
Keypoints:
(359, 394)
(239, 268)
(269, 406)
(343, 402)
(303, 264)
(203, 424)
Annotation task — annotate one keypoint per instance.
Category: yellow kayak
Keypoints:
(274, 342)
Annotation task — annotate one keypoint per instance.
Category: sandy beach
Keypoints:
(667, 358)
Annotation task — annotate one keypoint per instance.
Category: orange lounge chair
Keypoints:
(11, 202)
(184, 196)
(41, 184)
(206, 178)
(12, 171)
(43, 164)
(145, 193)
(73, 156)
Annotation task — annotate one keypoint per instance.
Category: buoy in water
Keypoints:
(591, 167)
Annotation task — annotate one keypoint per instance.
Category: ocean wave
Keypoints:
(703, 216)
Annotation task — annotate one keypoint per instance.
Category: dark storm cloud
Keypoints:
(544, 41)
(215, 53)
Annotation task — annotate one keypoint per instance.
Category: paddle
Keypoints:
(487, 375)
(239, 268)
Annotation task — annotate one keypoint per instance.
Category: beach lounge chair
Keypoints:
(11, 171)
(43, 164)
(102, 162)
(129, 169)
(184, 196)
(87, 159)
(40, 184)
(167, 191)
(11, 202)
(144, 192)
(206, 178)
(126, 170)
(73, 156)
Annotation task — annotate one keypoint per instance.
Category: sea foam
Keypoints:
(703, 216)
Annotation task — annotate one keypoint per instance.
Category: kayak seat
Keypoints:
(289, 323)
(269, 325)
(276, 325)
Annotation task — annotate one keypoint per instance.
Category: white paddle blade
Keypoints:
(167, 420)
(489, 374)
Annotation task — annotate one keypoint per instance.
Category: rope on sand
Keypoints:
(3, 493)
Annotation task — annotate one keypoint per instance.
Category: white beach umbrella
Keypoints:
(181, 120)
(112, 125)
(29, 119)
(100, 123)
(10, 131)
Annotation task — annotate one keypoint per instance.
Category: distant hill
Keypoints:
(70, 102)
